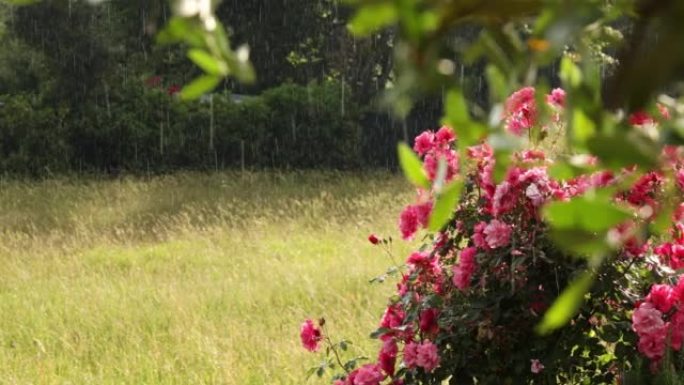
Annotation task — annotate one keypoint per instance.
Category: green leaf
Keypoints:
(588, 213)
(562, 171)
(372, 17)
(622, 150)
(379, 332)
(457, 107)
(567, 304)
(580, 242)
(178, 30)
(663, 222)
(199, 86)
(497, 83)
(412, 166)
(444, 205)
(570, 73)
(583, 128)
(207, 62)
(457, 117)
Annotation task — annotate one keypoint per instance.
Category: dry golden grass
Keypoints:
(188, 279)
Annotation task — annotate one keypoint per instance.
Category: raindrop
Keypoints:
(342, 107)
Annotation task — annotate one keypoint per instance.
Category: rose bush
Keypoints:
(471, 301)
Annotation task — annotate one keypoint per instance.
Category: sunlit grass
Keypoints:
(188, 279)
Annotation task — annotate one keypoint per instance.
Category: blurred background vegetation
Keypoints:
(85, 88)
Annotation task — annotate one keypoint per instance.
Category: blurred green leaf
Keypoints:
(178, 30)
(457, 107)
(199, 86)
(444, 205)
(586, 212)
(580, 242)
(622, 150)
(457, 116)
(583, 128)
(663, 222)
(372, 17)
(567, 304)
(570, 74)
(563, 170)
(208, 63)
(412, 166)
(498, 83)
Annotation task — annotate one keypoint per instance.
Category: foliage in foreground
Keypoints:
(483, 299)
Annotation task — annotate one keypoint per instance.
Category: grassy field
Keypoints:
(188, 279)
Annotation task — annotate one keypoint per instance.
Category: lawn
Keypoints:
(190, 278)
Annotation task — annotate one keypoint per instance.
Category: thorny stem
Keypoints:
(334, 350)
(385, 248)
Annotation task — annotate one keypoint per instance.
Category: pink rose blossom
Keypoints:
(556, 98)
(419, 259)
(445, 135)
(387, 357)
(368, 374)
(647, 319)
(413, 217)
(677, 330)
(423, 211)
(424, 142)
(428, 321)
(652, 345)
(393, 317)
(519, 99)
(410, 355)
(430, 165)
(534, 195)
(678, 293)
(497, 234)
(504, 198)
(520, 111)
(662, 297)
(536, 366)
(408, 222)
(479, 235)
(310, 335)
(463, 272)
(427, 357)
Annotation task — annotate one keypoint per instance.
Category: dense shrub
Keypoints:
(475, 303)
(32, 137)
(141, 128)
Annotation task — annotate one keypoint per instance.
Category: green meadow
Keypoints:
(190, 278)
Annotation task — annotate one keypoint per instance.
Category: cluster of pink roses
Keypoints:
(520, 110)
(659, 321)
(494, 231)
(433, 146)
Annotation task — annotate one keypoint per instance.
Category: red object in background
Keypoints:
(153, 81)
(173, 89)
(373, 239)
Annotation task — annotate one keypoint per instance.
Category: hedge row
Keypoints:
(141, 129)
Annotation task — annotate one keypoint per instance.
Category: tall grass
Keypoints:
(190, 278)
